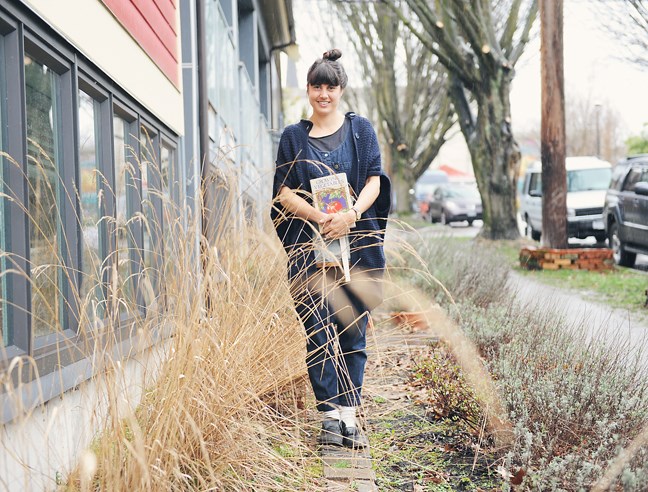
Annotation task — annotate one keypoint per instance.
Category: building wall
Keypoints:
(240, 66)
(91, 124)
(42, 446)
(123, 67)
(133, 60)
(152, 24)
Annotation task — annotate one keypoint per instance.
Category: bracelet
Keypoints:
(357, 213)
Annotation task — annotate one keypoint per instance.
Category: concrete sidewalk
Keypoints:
(616, 326)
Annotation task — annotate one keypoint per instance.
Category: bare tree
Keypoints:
(628, 21)
(593, 128)
(479, 42)
(409, 89)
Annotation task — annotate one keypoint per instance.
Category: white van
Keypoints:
(588, 179)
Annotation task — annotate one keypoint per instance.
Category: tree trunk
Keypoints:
(554, 175)
(495, 156)
(402, 183)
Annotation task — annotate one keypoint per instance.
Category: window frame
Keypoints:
(154, 191)
(104, 156)
(19, 342)
(133, 200)
(66, 229)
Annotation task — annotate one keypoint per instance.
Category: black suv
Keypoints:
(626, 209)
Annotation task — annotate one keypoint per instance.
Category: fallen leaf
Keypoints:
(518, 477)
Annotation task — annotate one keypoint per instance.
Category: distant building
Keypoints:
(107, 109)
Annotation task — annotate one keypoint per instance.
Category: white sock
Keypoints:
(348, 416)
(331, 414)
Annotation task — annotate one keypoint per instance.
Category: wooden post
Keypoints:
(554, 175)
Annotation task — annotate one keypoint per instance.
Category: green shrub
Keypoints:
(574, 401)
(447, 394)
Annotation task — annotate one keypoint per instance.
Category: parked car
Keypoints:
(588, 179)
(424, 188)
(455, 202)
(626, 210)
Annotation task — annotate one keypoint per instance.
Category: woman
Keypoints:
(334, 313)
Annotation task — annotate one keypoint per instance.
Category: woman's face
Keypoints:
(324, 98)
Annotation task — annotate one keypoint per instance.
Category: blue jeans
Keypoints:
(336, 327)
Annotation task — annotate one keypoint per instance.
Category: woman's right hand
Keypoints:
(336, 225)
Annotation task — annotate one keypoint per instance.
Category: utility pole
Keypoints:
(597, 106)
(554, 175)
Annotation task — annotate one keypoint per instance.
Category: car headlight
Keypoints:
(450, 205)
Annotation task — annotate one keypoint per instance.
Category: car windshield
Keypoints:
(588, 179)
(462, 192)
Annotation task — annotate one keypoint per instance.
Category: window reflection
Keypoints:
(151, 226)
(4, 335)
(147, 206)
(123, 211)
(43, 127)
(89, 195)
(167, 159)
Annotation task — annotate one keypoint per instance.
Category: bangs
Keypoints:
(323, 73)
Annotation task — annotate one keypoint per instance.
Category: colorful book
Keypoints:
(331, 195)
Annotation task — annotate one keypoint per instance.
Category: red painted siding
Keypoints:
(152, 23)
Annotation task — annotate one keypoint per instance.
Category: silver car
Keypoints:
(455, 202)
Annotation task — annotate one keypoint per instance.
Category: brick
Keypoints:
(562, 262)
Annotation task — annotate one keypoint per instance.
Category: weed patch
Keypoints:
(437, 380)
(413, 452)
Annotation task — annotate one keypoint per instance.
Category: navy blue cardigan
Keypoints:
(366, 239)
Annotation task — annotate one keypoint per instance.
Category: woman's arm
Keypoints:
(295, 204)
(338, 224)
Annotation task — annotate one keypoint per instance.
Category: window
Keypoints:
(124, 210)
(644, 175)
(535, 185)
(632, 179)
(90, 194)
(43, 174)
(4, 334)
(74, 197)
(151, 200)
(588, 179)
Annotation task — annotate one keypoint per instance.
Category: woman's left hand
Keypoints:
(337, 225)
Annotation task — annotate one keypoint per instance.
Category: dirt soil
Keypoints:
(411, 448)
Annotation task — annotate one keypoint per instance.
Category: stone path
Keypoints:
(388, 347)
(347, 469)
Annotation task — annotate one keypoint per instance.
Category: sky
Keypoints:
(592, 64)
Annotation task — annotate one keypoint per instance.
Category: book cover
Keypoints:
(331, 195)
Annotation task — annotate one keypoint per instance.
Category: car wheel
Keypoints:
(470, 223)
(444, 218)
(600, 238)
(530, 231)
(621, 256)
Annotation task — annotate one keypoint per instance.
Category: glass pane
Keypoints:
(145, 145)
(125, 243)
(43, 127)
(90, 179)
(4, 334)
(167, 159)
(152, 227)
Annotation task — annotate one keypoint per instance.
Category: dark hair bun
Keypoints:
(332, 55)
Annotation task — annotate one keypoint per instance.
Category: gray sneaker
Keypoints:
(331, 433)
